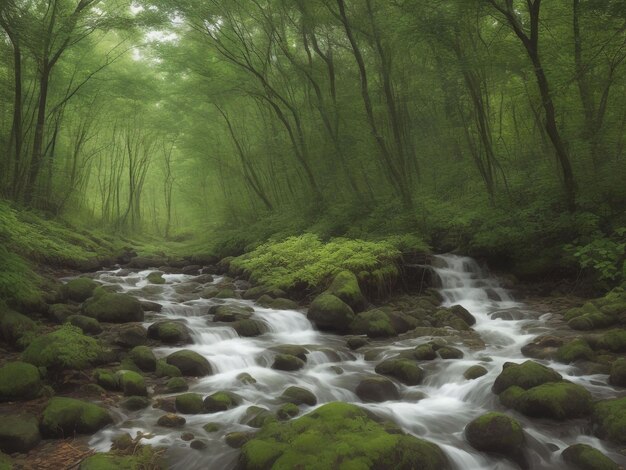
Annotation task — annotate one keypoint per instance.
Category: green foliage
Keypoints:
(603, 255)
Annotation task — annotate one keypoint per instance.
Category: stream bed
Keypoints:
(437, 410)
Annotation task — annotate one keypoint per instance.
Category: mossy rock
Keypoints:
(609, 420)
(291, 349)
(330, 313)
(19, 381)
(462, 313)
(287, 362)
(15, 328)
(79, 289)
(212, 427)
(176, 385)
(405, 370)
(190, 404)
(259, 291)
(525, 375)
(64, 417)
(287, 411)
(337, 435)
(591, 321)
(155, 277)
(143, 458)
(59, 313)
(373, 323)
(377, 389)
(299, 396)
(448, 352)
(163, 369)
(236, 440)
(170, 332)
(553, 400)
(230, 313)
(221, 401)
(19, 432)
(585, 457)
(131, 383)
(65, 348)
(257, 417)
(114, 308)
(171, 420)
(249, 328)
(356, 342)
(474, 372)
(246, 378)
(345, 285)
(88, 325)
(497, 433)
(277, 304)
(190, 363)
(425, 352)
(617, 376)
(131, 335)
(227, 293)
(106, 379)
(573, 351)
(144, 358)
(135, 403)
(614, 341)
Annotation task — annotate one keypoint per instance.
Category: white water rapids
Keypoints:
(450, 401)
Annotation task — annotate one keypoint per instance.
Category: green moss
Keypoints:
(346, 286)
(337, 435)
(19, 285)
(573, 351)
(79, 289)
(18, 432)
(63, 417)
(526, 375)
(19, 381)
(163, 369)
(555, 400)
(496, 432)
(585, 457)
(373, 323)
(474, 372)
(15, 328)
(189, 403)
(156, 277)
(221, 401)
(169, 332)
(176, 384)
(299, 396)
(131, 383)
(405, 370)
(287, 411)
(65, 348)
(106, 379)
(614, 341)
(88, 325)
(114, 308)
(609, 420)
(190, 363)
(330, 313)
(144, 358)
(5, 462)
(144, 458)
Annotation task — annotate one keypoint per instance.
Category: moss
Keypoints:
(135, 403)
(559, 401)
(156, 277)
(88, 325)
(19, 381)
(144, 458)
(63, 417)
(373, 323)
(59, 313)
(424, 352)
(345, 285)
(65, 348)
(169, 332)
(474, 372)
(573, 351)
(299, 396)
(79, 289)
(287, 362)
(190, 363)
(287, 411)
(171, 420)
(526, 375)
(131, 383)
(590, 321)
(144, 358)
(163, 369)
(498, 433)
(257, 417)
(614, 341)
(337, 435)
(249, 328)
(405, 370)
(106, 379)
(18, 432)
(5, 462)
(212, 427)
(448, 352)
(176, 384)
(189, 403)
(114, 308)
(609, 420)
(221, 401)
(330, 313)
(618, 373)
(585, 457)
(15, 328)
(377, 389)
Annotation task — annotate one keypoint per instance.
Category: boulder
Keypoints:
(190, 363)
(425, 352)
(614, 341)
(131, 383)
(329, 313)
(287, 362)
(221, 401)
(171, 420)
(230, 313)
(526, 375)
(345, 286)
(474, 372)
(19, 432)
(287, 411)
(291, 349)
(59, 313)
(114, 308)
(553, 400)
(373, 323)
(135, 403)
(19, 381)
(131, 335)
(276, 304)
(155, 277)
(79, 289)
(377, 389)
(236, 440)
(88, 325)
(448, 352)
(256, 417)
(198, 444)
(356, 342)
(463, 314)
(170, 332)
(585, 457)
(144, 358)
(618, 373)
(299, 396)
(64, 417)
(163, 369)
(249, 328)
(190, 404)
(405, 370)
(543, 347)
(497, 433)
(15, 328)
(146, 262)
(573, 351)
(148, 306)
(609, 420)
(176, 385)
(337, 432)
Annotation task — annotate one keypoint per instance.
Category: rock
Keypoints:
(609, 420)
(257, 417)
(230, 313)
(131, 335)
(405, 370)
(614, 341)
(170, 332)
(209, 292)
(221, 401)
(143, 457)
(463, 314)
(356, 342)
(79, 289)
(236, 440)
(114, 308)
(227, 293)
(176, 385)
(377, 389)
(287, 411)
(373, 323)
(15, 328)
(425, 352)
(287, 362)
(156, 277)
(212, 427)
(106, 379)
(148, 306)
(163, 369)
(299, 396)
(59, 313)
(198, 444)
(585, 457)
(497, 433)
(171, 420)
(276, 304)
(191, 269)
(256, 292)
(135, 403)
(338, 432)
(144, 358)
(167, 404)
(249, 328)
(246, 378)
(329, 313)
(543, 347)
(346, 287)
(19, 432)
(65, 348)
(64, 417)
(448, 352)
(131, 383)
(573, 351)
(291, 349)
(588, 317)
(553, 400)
(88, 325)
(474, 372)
(190, 363)
(122, 441)
(19, 381)
(146, 262)
(618, 373)
(189, 404)
(526, 375)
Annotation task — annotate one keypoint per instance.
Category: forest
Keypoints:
(384, 210)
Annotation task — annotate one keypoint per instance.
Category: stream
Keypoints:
(437, 410)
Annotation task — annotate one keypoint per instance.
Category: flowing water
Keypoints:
(437, 410)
